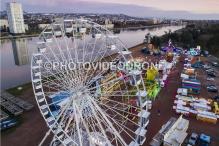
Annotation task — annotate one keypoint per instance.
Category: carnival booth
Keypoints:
(152, 85)
(169, 50)
(189, 71)
(193, 85)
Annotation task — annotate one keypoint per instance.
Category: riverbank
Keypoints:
(16, 72)
(194, 35)
(142, 27)
(114, 30)
(18, 36)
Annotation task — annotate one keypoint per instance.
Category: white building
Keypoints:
(173, 133)
(15, 18)
(177, 133)
(42, 26)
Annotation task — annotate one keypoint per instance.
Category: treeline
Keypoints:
(205, 35)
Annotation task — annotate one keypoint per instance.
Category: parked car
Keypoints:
(210, 79)
(145, 50)
(204, 140)
(193, 139)
(210, 69)
(216, 98)
(215, 64)
(204, 53)
(212, 88)
(206, 67)
(211, 74)
(8, 123)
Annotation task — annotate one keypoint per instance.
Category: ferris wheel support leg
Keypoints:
(44, 138)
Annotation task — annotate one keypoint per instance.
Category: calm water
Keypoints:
(16, 54)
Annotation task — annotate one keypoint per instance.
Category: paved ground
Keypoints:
(33, 128)
(165, 100)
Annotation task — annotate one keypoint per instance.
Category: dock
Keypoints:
(3, 115)
(16, 101)
(12, 108)
(13, 105)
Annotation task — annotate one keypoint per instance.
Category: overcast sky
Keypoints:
(154, 8)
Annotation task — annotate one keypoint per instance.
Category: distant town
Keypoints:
(15, 21)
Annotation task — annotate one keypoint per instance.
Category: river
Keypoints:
(16, 54)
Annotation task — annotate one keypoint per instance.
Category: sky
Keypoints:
(200, 9)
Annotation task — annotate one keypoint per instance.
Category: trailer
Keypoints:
(200, 106)
(193, 85)
(180, 109)
(185, 98)
(190, 71)
(207, 117)
(182, 91)
(184, 76)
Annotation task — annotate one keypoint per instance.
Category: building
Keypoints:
(3, 24)
(42, 26)
(108, 24)
(177, 133)
(173, 133)
(15, 18)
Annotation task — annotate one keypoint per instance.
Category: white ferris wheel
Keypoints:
(87, 107)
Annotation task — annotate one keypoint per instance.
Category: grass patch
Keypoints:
(19, 89)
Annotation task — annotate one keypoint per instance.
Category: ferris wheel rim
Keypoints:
(93, 101)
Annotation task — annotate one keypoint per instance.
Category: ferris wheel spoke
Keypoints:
(66, 44)
(117, 110)
(113, 109)
(101, 73)
(121, 125)
(85, 123)
(59, 126)
(96, 106)
(113, 94)
(56, 75)
(58, 45)
(98, 121)
(54, 83)
(91, 60)
(114, 135)
(83, 48)
(117, 102)
(109, 134)
(77, 126)
(106, 83)
(97, 57)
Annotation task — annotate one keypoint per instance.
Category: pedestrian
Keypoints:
(158, 112)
